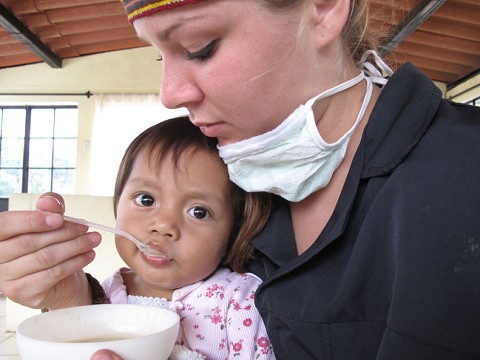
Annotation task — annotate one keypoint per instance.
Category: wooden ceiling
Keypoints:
(442, 37)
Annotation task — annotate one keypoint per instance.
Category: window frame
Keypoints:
(26, 145)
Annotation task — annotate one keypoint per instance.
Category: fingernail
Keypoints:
(54, 199)
(54, 219)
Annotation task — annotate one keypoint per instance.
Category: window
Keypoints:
(38, 148)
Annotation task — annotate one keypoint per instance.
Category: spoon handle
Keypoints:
(139, 244)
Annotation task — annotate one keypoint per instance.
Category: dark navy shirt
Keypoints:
(396, 272)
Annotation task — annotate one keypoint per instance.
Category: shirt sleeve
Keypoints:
(115, 289)
(219, 318)
(247, 336)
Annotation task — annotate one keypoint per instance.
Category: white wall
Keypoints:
(128, 71)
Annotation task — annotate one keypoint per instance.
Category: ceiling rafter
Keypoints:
(412, 20)
(26, 37)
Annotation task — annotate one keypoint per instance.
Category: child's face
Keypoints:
(186, 212)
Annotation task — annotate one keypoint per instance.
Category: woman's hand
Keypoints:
(41, 256)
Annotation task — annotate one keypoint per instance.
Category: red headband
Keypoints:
(137, 9)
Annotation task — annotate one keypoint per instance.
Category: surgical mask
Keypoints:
(293, 160)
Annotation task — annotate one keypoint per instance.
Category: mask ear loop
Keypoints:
(336, 89)
(377, 76)
(312, 127)
(310, 116)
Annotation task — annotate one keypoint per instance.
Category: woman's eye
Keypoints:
(203, 54)
(144, 200)
(199, 213)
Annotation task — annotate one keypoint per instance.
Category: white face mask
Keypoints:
(293, 160)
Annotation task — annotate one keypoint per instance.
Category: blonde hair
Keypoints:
(356, 33)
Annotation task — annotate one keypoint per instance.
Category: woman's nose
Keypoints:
(178, 88)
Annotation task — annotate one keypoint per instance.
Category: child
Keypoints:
(173, 192)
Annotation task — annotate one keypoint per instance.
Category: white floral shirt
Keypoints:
(218, 316)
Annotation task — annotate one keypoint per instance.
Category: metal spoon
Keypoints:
(141, 246)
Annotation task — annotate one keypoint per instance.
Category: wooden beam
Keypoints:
(21, 32)
(416, 17)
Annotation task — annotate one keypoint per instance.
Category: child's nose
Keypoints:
(165, 225)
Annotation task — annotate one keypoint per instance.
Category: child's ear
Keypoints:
(328, 18)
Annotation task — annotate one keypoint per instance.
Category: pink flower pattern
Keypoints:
(234, 313)
(218, 316)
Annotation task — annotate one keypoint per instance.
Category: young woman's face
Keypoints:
(238, 67)
(185, 212)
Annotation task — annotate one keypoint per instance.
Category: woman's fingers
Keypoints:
(105, 355)
(41, 256)
(51, 202)
(47, 257)
(13, 223)
(27, 243)
(55, 287)
(31, 265)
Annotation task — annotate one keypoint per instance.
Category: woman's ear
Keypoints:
(329, 18)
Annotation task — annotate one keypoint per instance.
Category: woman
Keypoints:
(372, 249)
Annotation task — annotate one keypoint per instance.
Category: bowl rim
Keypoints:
(22, 332)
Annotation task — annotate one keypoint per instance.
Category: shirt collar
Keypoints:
(403, 112)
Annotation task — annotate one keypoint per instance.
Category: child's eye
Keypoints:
(199, 213)
(203, 54)
(144, 200)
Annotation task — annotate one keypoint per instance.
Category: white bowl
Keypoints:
(135, 332)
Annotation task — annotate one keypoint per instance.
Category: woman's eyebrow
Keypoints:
(164, 35)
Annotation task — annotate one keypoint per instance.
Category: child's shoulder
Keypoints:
(223, 285)
(228, 275)
(232, 281)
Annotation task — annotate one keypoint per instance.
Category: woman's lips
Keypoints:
(210, 130)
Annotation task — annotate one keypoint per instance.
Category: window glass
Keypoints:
(13, 123)
(42, 123)
(63, 180)
(39, 180)
(10, 181)
(40, 153)
(11, 153)
(65, 153)
(38, 148)
(66, 123)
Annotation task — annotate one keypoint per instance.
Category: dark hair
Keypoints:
(174, 137)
